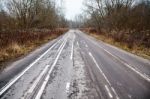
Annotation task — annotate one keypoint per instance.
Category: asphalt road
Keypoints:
(77, 66)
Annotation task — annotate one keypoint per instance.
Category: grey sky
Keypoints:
(72, 8)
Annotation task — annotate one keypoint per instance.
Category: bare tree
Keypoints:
(128, 18)
(34, 13)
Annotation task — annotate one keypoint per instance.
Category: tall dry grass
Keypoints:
(139, 50)
(20, 42)
(129, 43)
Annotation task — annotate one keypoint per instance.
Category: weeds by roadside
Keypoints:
(135, 49)
(14, 44)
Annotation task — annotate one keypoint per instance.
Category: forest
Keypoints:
(26, 24)
(123, 21)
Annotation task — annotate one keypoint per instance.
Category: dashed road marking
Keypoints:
(34, 85)
(72, 48)
(86, 45)
(108, 91)
(144, 76)
(40, 92)
(77, 43)
(129, 96)
(117, 97)
(67, 87)
(7, 86)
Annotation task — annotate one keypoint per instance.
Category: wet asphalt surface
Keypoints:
(77, 66)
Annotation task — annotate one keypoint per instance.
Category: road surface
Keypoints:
(77, 66)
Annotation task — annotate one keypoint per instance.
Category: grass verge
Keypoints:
(138, 50)
(18, 43)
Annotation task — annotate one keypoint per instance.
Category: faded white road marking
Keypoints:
(108, 91)
(7, 86)
(72, 48)
(117, 97)
(86, 45)
(40, 92)
(34, 85)
(67, 87)
(99, 67)
(146, 77)
(129, 96)
(77, 43)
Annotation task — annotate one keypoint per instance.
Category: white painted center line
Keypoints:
(77, 43)
(117, 97)
(7, 86)
(146, 77)
(40, 92)
(129, 66)
(72, 47)
(67, 87)
(109, 93)
(34, 85)
(86, 45)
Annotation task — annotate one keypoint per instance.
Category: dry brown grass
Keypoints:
(138, 50)
(18, 43)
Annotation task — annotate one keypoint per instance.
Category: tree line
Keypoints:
(25, 14)
(124, 20)
(27, 24)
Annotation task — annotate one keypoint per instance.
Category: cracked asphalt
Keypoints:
(77, 66)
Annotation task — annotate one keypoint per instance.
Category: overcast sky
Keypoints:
(72, 8)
